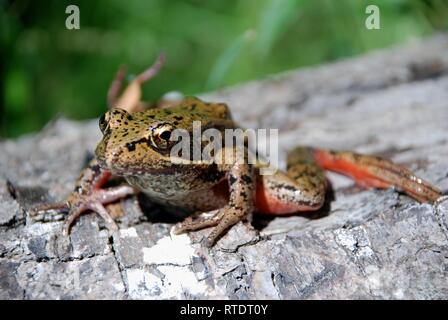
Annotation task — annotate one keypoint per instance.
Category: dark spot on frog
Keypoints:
(95, 168)
(212, 174)
(286, 187)
(232, 179)
(130, 146)
(151, 117)
(178, 117)
(129, 117)
(246, 178)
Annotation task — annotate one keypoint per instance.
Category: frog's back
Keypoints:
(193, 108)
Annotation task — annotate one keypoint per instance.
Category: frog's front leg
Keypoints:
(241, 182)
(89, 195)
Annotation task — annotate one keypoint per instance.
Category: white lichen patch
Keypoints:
(374, 280)
(173, 278)
(354, 240)
(173, 249)
(171, 282)
(181, 282)
(143, 284)
(128, 233)
(119, 286)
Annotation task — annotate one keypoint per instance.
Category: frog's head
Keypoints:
(136, 143)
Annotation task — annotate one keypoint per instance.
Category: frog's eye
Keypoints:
(161, 136)
(104, 122)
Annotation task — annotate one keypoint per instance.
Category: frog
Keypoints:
(136, 146)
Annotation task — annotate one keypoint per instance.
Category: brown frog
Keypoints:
(136, 145)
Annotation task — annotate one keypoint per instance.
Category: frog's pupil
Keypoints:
(165, 135)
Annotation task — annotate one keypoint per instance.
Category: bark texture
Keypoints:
(365, 244)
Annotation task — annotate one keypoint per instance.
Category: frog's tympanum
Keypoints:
(136, 145)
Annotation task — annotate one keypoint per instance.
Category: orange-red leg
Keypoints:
(371, 171)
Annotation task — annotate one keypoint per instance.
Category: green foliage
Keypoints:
(48, 70)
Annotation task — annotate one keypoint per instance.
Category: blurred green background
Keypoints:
(47, 70)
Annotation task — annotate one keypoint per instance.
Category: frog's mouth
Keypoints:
(113, 166)
(123, 172)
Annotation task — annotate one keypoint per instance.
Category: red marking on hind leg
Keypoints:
(267, 203)
(363, 178)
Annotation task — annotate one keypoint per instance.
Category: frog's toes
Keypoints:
(222, 220)
(228, 216)
(49, 212)
(95, 201)
(190, 224)
(79, 208)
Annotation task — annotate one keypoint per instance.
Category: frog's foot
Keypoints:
(77, 204)
(194, 224)
(370, 171)
(222, 220)
(115, 87)
(95, 201)
(129, 99)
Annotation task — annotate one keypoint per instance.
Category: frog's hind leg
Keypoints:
(115, 87)
(371, 171)
(130, 99)
(301, 188)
